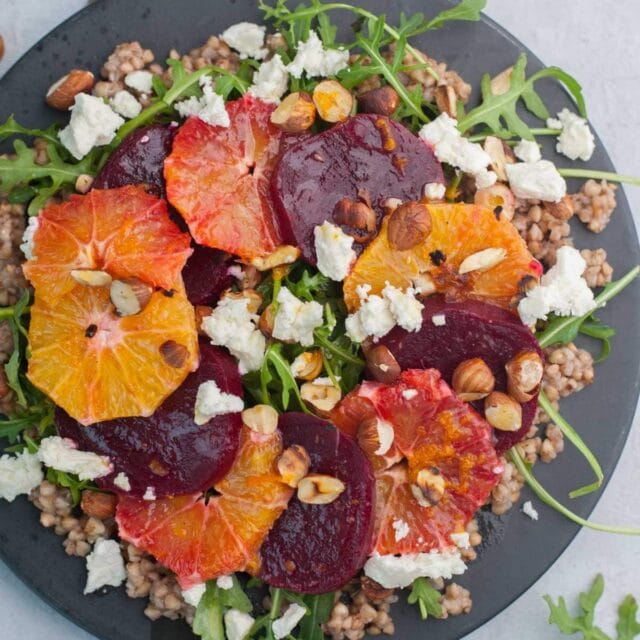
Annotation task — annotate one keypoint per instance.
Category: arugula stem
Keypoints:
(345, 355)
(599, 175)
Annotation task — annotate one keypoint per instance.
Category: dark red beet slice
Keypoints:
(139, 160)
(366, 153)
(168, 451)
(318, 548)
(472, 330)
(206, 274)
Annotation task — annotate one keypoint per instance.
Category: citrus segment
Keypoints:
(98, 366)
(218, 179)
(199, 538)
(458, 231)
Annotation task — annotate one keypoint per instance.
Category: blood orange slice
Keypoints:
(449, 464)
(199, 538)
(458, 231)
(218, 179)
(125, 232)
(99, 366)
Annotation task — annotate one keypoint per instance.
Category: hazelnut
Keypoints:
(83, 183)
(261, 419)
(174, 354)
(91, 277)
(254, 299)
(357, 219)
(409, 225)
(375, 435)
(293, 465)
(373, 590)
(317, 488)
(391, 204)
(267, 320)
(308, 365)
(62, 94)
(333, 102)
(284, 254)
(130, 295)
(322, 397)
(429, 487)
(473, 380)
(499, 198)
(382, 364)
(482, 260)
(251, 277)
(562, 210)
(495, 149)
(383, 101)
(295, 114)
(98, 504)
(524, 375)
(446, 100)
(502, 412)
(424, 284)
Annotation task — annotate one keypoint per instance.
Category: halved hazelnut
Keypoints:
(322, 397)
(495, 149)
(447, 100)
(383, 101)
(261, 419)
(97, 504)
(254, 299)
(562, 210)
(424, 284)
(375, 435)
(357, 218)
(62, 93)
(295, 114)
(429, 487)
(482, 260)
(499, 198)
(267, 320)
(308, 365)
(333, 102)
(382, 364)
(91, 277)
(524, 375)
(284, 254)
(473, 380)
(174, 354)
(409, 225)
(293, 465)
(318, 488)
(502, 412)
(130, 295)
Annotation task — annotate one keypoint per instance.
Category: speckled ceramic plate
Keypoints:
(516, 551)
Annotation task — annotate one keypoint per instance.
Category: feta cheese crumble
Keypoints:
(296, 320)
(334, 249)
(105, 566)
(575, 140)
(461, 540)
(93, 123)
(527, 151)
(63, 454)
(529, 510)
(212, 402)
(316, 61)
(409, 394)
(434, 190)
(536, 180)
(237, 624)
(194, 594)
(233, 326)
(401, 529)
(149, 494)
(452, 147)
(27, 246)
(122, 482)
(271, 80)
(286, 623)
(209, 107)
(225, 583)
(397, 572)
(562, 290)
(140, 81)
(247, 38)
(19, 474)
(125, 104)
(439, 319)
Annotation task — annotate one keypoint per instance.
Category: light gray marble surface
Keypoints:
(597, 41)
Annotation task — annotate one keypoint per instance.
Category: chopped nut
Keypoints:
(356, 218)
(130, 296)
(429, 487)
(308, 365)
(333, 102)
(317, 488)
(267, 319)
(499, 198)
(374, 591)
(83, 183)
(293, 465)
(98, 504)
(494, 147)
(174, 354)
(322, 397)
(383, 101)
(502, 412)
(473, 380)
(409, 225)
(262, 419)
(391, 204)
(62, 94)
(482, 260)
(295, 114)
(424, 285)
(375, 435)
(202, 311)
(91, 277)
(284, 254)
(524, 375)
(447, 100)
(501, 83)
(253, 297)
(382, 364)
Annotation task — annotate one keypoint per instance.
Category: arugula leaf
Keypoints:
(319, 607)
(236, 598)
(12, 367)
(427, 597)
(12, 128)
(71, 482)
(208, 621)
(465, 10)
(595, 328)
(628, 626)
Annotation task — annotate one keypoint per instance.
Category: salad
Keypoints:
(289, 312)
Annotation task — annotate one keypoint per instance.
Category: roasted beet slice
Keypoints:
(206, 274)
(471, 330)
(139, 160)
(367, 156)
(318, 548)
(168, 451)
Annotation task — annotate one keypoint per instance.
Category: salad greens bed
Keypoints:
(26, 182)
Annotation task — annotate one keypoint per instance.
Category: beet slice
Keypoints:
(139, 160)
(167, 450)
(206, 274)
(366, 154)
(318, 548)
(472, 330)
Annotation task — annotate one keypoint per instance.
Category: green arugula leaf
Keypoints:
(71, 482)
(595, 328)
(236, 598)
(208, 620)
(466, 10)
(427, 597)
(628, 626)
(319, 607)
(12, 128)
(12, 367)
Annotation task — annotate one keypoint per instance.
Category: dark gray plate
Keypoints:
(518, 551)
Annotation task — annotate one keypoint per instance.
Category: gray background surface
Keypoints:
(596, 40)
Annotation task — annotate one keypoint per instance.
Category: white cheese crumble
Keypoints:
(409, 394)
(394, 572)
(461, 540)
(140, 81)
(439, 319)
(105, 566)
(122, 481)
(271, 80)
(27, 246)
(575, 140)
(527, 151)
(562, 290)
(194, 594)
(233, 326)
(452, 147)
(434, 190)
(225, 583)
(404, 307)
(334, 249)
(93, 123)
(19, 474)
(209, 107)
(237, 624)
(286, 623)
(529, 510)
(63, 454)
(149, 494)
(212, 402)
(296, 320)
(386, 435)
(247, 38)
(401, 529)
(125, 104)
(536, 180)
(316, 61)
